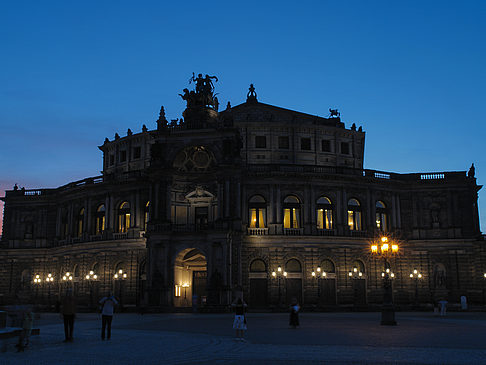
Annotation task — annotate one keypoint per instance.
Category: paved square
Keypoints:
(334, 338)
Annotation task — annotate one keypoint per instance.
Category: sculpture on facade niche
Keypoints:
(471, 172)
(203, 96)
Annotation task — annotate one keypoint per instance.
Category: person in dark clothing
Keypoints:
(294, 313)
(68, 312)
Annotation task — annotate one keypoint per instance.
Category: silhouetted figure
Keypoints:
(239, 323)
(471, 172)
(107, 307)
(24, 336)
(68, 311)
(294, 313)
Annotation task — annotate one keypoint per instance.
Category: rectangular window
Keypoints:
(257, 218)
(123, 155)
(137, 152)
(326, 145)
(283, 143)
(291, 217)
(345, 148)
(260, 142)
(112, 159)
(305, 144)
(324, 218)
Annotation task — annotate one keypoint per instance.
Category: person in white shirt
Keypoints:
(107, 306)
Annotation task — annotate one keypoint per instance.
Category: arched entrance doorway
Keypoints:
(190, 278)
(293, 281)
(258, 284)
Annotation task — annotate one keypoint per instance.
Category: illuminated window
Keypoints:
(100, 219)
(354, 215)
(381, 216)
(124, 217)
(146, 215)
(291, 207)
(257, 210)
(324, 213)
(80, 223)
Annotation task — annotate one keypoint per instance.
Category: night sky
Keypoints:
(412, 73)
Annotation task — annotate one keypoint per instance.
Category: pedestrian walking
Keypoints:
(107, 307)
(294, 313)
(24, 336)
(239, 323)
(68, 312)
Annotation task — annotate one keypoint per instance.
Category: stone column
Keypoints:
(226, 198)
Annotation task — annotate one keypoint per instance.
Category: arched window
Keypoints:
(258, 265)
(358, 266)
(124, 217)
(324, 213)
(146, 215)
(381, 216)
(327, 266)
(80, 223)
(100, 219)
(293, 265)
(257, 211)
(354, 215)
(291, 207)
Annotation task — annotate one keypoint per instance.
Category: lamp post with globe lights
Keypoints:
(37, 284)
(278, 275)
(91, 277)
(120, 277)
(415, 275)
(385, 249)
(318, 274)
(49, 281)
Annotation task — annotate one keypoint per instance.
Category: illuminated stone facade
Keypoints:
(218, 200)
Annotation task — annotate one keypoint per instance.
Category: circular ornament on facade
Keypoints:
(201, 159)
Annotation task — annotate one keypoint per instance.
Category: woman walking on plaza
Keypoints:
(239, 323)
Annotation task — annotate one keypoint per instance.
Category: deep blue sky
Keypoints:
(412, 73)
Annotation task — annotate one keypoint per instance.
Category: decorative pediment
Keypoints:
(199, 195)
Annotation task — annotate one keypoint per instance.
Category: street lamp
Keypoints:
(49, 281)
(385, 249)
(120, 276)
(318, 274)
(278, 275)
(91, 277)
(416, 276)
(37, 283)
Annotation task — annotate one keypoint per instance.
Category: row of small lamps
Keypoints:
(120, 275)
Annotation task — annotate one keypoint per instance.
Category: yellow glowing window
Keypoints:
(286, 218)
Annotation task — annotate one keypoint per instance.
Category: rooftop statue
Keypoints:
(334, 113)
(251, 96)
(203, 95)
